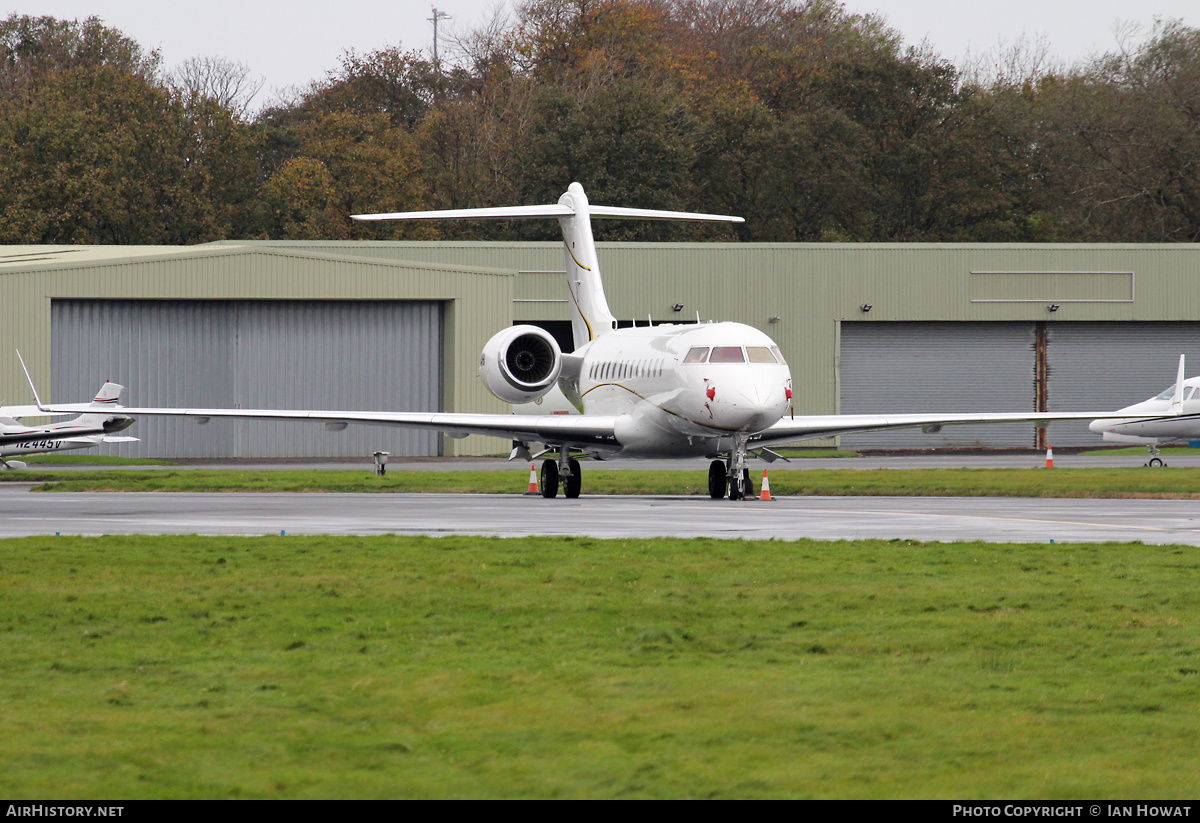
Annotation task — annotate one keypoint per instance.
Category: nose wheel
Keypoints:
(741, 487)
(732, 476)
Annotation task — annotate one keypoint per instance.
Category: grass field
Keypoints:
(455, 667)
(71, 458)
(1107, 482)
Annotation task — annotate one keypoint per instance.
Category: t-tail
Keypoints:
(591, 316)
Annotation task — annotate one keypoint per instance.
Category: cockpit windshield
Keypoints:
(1170, 393)
(727, 354)
(734, 354)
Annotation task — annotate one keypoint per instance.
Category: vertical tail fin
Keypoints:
(108, 397)
(590, 317)
(1177, 397)
(106, 401)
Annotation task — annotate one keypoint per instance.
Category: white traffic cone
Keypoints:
(533, 487)
(765, 494)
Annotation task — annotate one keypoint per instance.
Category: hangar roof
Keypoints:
(33, 258)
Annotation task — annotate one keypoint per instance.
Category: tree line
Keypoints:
(813, 123)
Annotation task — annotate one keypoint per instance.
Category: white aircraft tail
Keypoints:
(591, 316)
(107, 399)
(1177, 397)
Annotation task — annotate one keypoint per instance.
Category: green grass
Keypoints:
(71, 458)
(464, 667)
(1108, 482)
(1140, 451)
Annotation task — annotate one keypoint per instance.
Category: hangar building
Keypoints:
(399, 326)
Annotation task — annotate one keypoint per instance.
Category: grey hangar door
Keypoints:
(283, 354)
(994, 366)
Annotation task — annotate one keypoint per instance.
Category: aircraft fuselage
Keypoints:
(1153, 421)
(49, 445)
(686, 390)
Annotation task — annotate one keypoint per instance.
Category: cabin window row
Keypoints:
(734, 354)
(616, 370)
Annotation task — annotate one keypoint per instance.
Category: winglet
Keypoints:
(1177, 398)
(37, 400)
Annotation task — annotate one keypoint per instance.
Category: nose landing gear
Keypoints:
(732, 475)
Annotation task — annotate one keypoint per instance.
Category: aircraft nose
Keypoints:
(756, 409)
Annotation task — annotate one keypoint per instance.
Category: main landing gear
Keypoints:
(565, 471)
(1155, 461)
(732, 475)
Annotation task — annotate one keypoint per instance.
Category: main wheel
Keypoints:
(747, 484)
(574, 483)
(549, 479)
(735, 488)
(1156, 462)
(716, 479)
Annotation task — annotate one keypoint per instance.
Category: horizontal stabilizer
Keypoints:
(553, 210)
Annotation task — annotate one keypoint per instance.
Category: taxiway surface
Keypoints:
(24, 513)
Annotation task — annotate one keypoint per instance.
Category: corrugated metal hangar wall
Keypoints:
(879, 327)
(243, 326)
(913, 366)
(248, 354)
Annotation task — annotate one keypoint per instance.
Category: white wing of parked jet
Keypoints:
(804, 427)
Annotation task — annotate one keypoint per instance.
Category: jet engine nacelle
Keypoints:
(520, 364)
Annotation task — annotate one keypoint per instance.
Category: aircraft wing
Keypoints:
(17, 412)
(807, 427)
(590, 431)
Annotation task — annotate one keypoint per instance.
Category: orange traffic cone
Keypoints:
(1049, 457)
(533, 489)
(766, 488)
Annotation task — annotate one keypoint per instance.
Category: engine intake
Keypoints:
(520, 364)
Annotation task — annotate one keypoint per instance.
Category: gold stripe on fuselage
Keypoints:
(658, 406)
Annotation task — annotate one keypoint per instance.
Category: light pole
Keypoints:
(437, 15)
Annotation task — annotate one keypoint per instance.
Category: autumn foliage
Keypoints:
(812, 123)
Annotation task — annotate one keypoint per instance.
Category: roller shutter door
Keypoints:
(938, 367)
(255, 354)
(1104, 366)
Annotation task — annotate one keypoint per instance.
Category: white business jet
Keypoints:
(1171, 416)
(716, 390)
(97, 423)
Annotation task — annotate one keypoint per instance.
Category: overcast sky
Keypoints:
(291, 43)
